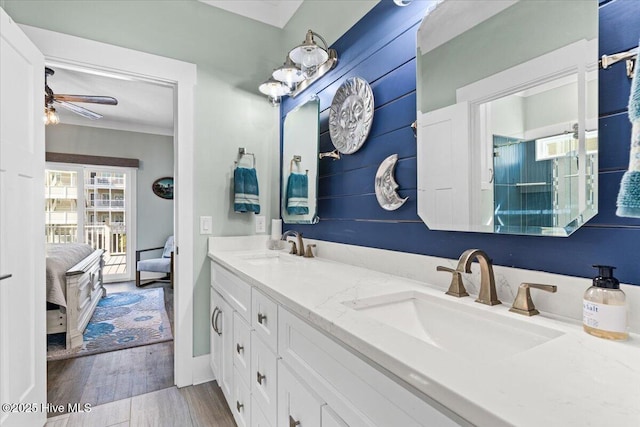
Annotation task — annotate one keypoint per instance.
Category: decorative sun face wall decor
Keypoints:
(351, 115)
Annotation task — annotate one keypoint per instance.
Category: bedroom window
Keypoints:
(93, 205)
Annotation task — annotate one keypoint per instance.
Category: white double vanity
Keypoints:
(363, 337)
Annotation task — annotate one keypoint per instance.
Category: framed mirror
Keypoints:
(507, 120)
(300, 139)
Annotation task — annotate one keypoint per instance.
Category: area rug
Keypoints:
(121, 320)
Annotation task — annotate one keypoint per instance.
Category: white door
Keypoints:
(443, 167)
(22, 295)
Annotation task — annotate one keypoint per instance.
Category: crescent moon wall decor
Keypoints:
(386, 185)
(350, 115)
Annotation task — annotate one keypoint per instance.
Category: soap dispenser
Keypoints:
(604, 312)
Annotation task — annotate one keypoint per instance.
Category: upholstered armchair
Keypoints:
(164, 264)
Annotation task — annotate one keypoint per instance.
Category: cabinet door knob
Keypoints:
(292, 422)
(261, 318)
(261, 377)
(239, 348)
(239, 406)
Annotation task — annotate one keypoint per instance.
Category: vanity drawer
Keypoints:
(330, 418)
(242, 348)
(241, 403)
(258, 419)
(297, 404)
(264, 377)
(360, 394)
(264, 318)
(233, 289)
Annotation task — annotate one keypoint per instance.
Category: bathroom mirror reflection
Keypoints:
(508, 116)
(300, 139)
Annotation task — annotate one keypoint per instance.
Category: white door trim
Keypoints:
(87, 55)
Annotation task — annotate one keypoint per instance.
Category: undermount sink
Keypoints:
(453, 327)
(266, 258)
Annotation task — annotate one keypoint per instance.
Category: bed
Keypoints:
(74, 288)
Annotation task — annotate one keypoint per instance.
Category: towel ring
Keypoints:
(295, 159)
(241, 153)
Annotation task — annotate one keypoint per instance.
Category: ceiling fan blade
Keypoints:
(78, 110)
(93, 99)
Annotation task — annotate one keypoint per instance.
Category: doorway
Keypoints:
(73, 52)
(95, 202)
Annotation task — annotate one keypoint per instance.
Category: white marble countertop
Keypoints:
(572, 380)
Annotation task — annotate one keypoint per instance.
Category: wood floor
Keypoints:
(116, 375)
(198, 406)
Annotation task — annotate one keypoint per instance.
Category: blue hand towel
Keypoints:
(297, 194)
(245, 183)
(628, 202)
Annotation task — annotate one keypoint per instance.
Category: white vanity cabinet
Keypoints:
(242, 348)
(258, 418)
(241, 403)
(230, 340)
(221, 359)
(297, 404)
(264, 318)
(264, 357)
(329, 418)
(276, 369)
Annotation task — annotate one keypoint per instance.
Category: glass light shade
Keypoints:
(289, 73)
(50, 116)
(308, 54)
(274, 88)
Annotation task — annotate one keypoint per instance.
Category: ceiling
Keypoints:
(142, 106)
(272, 12)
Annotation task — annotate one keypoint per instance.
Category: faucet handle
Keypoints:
(294, 248)
(309, 252)
(523, 304)
(456, 288)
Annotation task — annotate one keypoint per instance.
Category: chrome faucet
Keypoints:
(299, 250)
(487, 294)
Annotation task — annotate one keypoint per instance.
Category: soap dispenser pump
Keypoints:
(604, 312)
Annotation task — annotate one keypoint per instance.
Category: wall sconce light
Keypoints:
(50, 116)
(309, 55)
(274, 89)
(289, 73)
(305, 64)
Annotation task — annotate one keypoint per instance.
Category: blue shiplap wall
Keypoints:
(381, 49)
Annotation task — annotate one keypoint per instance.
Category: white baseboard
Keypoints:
(202, 372)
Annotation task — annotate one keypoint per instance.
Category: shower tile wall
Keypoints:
(516, 204)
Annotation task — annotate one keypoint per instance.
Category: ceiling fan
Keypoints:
(65, 101)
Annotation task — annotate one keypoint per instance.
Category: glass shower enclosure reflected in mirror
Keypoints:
(300, 139)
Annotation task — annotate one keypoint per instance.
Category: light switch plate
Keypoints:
(261, 224)
(206, 224)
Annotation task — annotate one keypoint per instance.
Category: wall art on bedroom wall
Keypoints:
(163, 187)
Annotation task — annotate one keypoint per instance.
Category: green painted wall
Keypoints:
(233, 55)
(541, 26)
